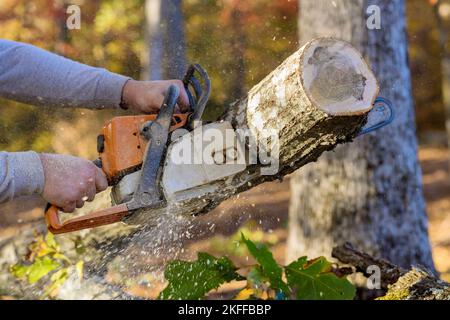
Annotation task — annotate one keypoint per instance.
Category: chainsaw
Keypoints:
(134, 153)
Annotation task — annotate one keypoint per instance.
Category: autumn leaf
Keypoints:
(56, 281)
(245, 294)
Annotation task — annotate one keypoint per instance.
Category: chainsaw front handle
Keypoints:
(91, 220)
(198, 91)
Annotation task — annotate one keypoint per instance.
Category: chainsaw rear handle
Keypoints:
(91, 220)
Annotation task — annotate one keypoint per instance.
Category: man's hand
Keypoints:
(70, 181)
(147, 96)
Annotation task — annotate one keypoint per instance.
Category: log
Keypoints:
(316, 99)
(417, 283)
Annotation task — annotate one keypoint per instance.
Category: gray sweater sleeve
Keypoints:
(21, 174)
(34, 76)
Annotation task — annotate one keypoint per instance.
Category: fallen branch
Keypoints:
(362, 261)
(415, 284)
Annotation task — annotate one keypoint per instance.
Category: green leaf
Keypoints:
(40, 268)
(56, 280)
(60, 276)
(314, 281)
(80, 248)
(192, 280)
(50, 241)
(19, 271)
(269, 267)
(79, 267)
(61, 257)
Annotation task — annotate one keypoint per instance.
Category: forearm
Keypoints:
(21, 174)
(34, 76)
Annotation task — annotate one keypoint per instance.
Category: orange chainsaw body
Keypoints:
(122, 148)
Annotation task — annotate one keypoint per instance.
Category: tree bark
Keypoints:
(368, 193)
(362, 261)
(165, 34)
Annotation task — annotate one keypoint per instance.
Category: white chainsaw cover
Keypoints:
(206, 154)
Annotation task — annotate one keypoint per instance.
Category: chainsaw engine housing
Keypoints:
(121, 146)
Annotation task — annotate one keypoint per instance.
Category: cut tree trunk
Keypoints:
(370, 192)
(317, 98)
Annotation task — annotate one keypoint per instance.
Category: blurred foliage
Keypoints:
(231, 245)
(425, 62)
(269, 33)
(111, 36)
(238, 42)
(45, 260)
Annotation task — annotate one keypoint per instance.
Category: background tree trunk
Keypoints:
(59, 12)
(370, 192)
(165, 34)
